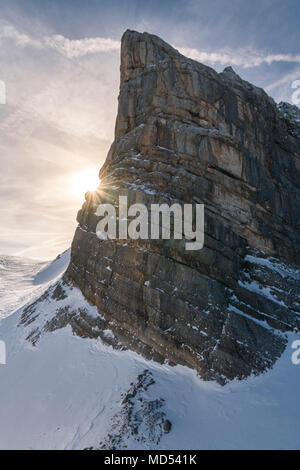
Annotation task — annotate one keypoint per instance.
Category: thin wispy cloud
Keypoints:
(244, 58)
(21, 39)
(74, 48)
(70, 48)
(289, 78)
(80, 47)
(58, 120)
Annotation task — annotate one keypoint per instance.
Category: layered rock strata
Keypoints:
(185, 133)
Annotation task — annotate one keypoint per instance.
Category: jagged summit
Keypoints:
(291, 114)
(142, 50)
(229, 73)
(229, 69)
(186, 134)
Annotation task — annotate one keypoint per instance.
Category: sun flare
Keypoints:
(86, 180)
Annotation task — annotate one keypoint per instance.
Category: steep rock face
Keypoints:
(186, 134)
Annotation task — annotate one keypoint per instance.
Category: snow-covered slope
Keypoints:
(16, 282)
(23, 279)
(72, 393)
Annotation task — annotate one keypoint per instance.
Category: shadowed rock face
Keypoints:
(186, 134)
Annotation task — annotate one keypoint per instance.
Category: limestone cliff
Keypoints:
(185, 133)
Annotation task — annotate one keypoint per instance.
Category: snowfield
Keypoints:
(74, 393)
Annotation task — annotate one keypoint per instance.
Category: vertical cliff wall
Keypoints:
(186, 134)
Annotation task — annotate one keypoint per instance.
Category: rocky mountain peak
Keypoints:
(231, 73)
(140, 51)
(186, 134)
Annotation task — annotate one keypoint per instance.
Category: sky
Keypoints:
(59, 60)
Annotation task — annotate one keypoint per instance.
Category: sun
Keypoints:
(83, 181)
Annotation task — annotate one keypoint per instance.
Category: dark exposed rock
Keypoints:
(140, 418)
(59, 293)
(167, 426)
(186, 134)
(44, 315)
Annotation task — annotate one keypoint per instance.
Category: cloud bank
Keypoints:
(60, 114)
(74, 48)
(244, 58)
(80, 47)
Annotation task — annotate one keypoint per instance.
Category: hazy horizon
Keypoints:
(60, 64)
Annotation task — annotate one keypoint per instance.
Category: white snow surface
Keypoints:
(63, 393)
(23, 279)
